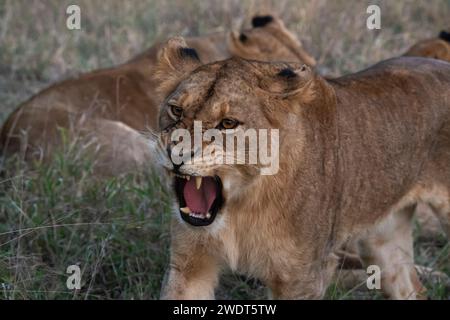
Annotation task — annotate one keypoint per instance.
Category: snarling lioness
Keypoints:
(356, 154)
(109, 108)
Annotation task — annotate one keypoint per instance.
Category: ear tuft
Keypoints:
(261, 21)
(189, 53)
(444, 35)
(288, 81)
(243, 38)
(175, 61)
(287, 73)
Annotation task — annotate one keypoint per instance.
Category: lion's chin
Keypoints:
(200, 198)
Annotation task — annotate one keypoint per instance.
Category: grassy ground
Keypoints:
(117, 230)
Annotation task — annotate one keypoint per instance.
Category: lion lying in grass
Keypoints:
(107, 110)
(357, 153)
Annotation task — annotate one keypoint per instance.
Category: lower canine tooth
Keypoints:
(185, 210)
(208, 215)
(198, 182)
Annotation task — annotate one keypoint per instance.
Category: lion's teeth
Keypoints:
(198, 182)
(188, 178)
(185, 210)
(208, 215)
(198, 215)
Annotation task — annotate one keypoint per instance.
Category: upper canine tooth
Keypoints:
(198, 182)
(185, 210)
(188, 178)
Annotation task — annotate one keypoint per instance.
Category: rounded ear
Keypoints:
(289, 81)
(175, 61)
(233, 36)
(276, 26)
(261, 21)
(237, 43)
(444, 35)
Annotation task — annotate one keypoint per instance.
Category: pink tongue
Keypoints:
(201, 200)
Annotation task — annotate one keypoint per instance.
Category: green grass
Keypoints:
(54, 216)
(117, 229)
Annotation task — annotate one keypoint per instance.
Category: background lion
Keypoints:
(437, 48)
(108, 110)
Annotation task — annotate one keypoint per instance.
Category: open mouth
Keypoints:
(200, 198)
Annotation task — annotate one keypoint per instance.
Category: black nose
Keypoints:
(176, 167)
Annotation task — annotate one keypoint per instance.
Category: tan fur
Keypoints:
(430, 224)
(436, 48)
(389, 246)
(356, 155)
(431, 48)
(126, 94)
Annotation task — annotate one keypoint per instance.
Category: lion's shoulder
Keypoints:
(402, 68)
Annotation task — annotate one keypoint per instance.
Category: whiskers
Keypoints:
(150, 134)
(220, 160)
(202, 159)
(157, 144)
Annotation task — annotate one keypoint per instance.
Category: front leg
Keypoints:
(294, 286)
(308, 279)
(193, 272)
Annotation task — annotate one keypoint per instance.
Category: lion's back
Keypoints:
(405, 81)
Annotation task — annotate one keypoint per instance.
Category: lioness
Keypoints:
(109, 108)
(356, 154)
(437, 48)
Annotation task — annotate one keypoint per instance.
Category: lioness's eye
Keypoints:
(228, 124)
(176, 111)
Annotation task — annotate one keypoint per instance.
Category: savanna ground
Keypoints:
(117, 230)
